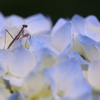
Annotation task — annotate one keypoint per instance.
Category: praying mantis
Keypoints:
(21, 32)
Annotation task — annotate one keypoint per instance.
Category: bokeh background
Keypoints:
(54, 8)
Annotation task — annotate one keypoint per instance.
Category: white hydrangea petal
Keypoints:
(98, 49)
(77, 45)
(66, 50)
(2, 72)
(58, 24)
(38, 23)
(93, 19)
(62, 37)
(4, 59)
(2, 83)
(2, 25)
(79, 23)
(36, 86)
(47, 61)
(67, 80)
(92, 31)
(85, 28)
(82, 45)
(16, 81)
(90, 52)
(4, 93)
(2, 42)
(39, 54)
(33, 80)
(88, 26)
(21, 60)
(66, 67)
(14, 21)
(94, 75)
(94, 35)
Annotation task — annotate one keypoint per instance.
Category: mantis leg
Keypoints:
(25, 35)
(9, 34)
(5, 37)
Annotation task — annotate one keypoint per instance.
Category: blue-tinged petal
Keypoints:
(2, 25)
(38, 23)
(93, 19)
(78, 23)
(74, 54)
(36, 46)
(39, 42)
(58, 24)
(68, 81)
(62, 37)
(41, 38)
(16, 96)
(87, 40)
(63, 57)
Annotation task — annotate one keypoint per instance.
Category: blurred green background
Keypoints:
(54, 8)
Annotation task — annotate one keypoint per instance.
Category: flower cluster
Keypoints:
(60, 62)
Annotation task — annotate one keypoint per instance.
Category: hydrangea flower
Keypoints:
(8, 71)
(59, 62)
